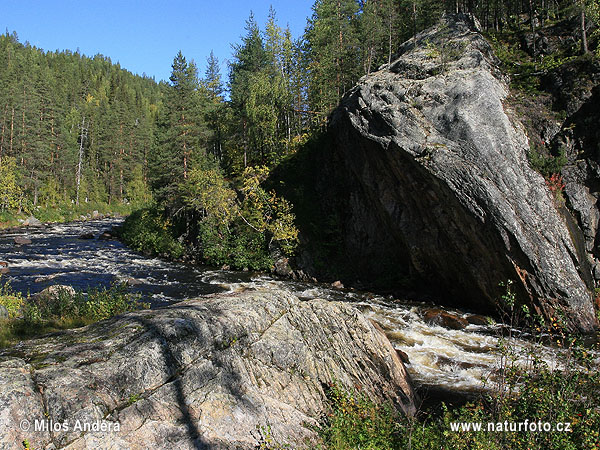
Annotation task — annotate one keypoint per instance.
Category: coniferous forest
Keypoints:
(73, 128)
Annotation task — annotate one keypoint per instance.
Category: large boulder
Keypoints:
(428, 173)
(221, 372)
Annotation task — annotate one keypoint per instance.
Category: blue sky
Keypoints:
(144, 36)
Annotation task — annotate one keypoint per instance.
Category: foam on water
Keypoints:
(460, 360)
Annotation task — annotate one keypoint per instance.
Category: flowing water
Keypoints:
(453, 360)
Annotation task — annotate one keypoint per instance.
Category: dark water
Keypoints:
(456, 360)
(57, 255)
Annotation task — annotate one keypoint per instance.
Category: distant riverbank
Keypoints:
(63, 213)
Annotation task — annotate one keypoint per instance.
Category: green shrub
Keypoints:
(9, 219)
(11, 300)
(104, 302)
(98, 304)
(236, 245)
(64, 310)
(238, 230)
(148, 231)
(547, 165)
(355, 422)
(221, 225)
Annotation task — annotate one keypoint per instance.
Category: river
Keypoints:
(452, 360)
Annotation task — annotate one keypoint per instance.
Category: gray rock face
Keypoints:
(430, 173)
(211, 373)
(581, 137)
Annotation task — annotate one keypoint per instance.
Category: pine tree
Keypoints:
(379, 29)
(332, 45)
(249, 58)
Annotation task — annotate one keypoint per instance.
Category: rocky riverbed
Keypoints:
(445, 348)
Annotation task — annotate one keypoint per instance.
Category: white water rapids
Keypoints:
(455, 360)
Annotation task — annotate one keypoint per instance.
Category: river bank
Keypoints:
(455, 353)
(63, 213)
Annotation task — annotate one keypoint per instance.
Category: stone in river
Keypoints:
(132, 282)
(437, 316)
(43, 278)
(32, 222)
(477, 319)
(403, 356)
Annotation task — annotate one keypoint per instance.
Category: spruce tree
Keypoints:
(183, 133)
(249, 58)
(215, 106)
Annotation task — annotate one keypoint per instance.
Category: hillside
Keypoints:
(72, 128)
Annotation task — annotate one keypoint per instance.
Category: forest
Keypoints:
(73, 128)
(79, 130)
